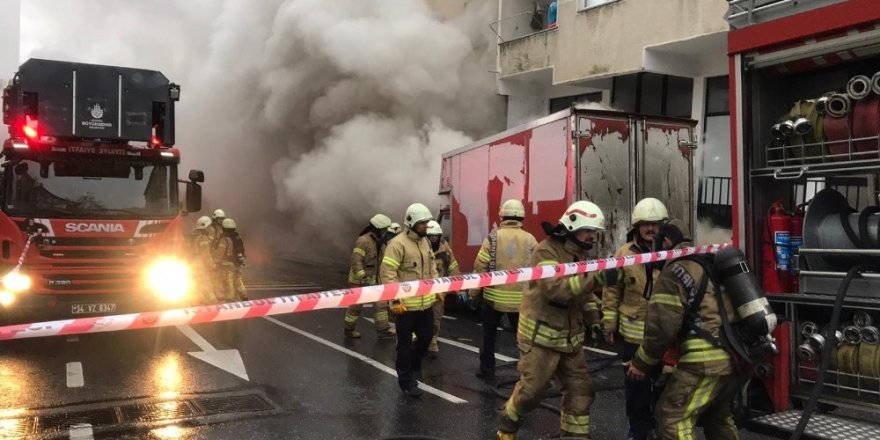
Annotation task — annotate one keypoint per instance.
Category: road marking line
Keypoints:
(600, 351)
(81, 431)
(226, 360)
(298, 287)
(467, 347)
(196, 338)
(451, 318)
(378, 365)
(75, 377)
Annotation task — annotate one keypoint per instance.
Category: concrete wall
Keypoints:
(10, 28)
(611, 39)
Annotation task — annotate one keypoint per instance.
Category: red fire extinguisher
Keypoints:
(777, 251)
(797, 240)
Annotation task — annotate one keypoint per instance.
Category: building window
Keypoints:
(653, 94)
(559, 104)
(717, 96)
(587, 4)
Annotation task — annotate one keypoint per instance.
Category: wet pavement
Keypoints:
(297, 378)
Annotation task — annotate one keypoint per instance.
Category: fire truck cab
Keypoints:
(89, 202)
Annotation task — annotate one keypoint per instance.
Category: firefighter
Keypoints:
(215, 231)
(229, 256)
(203, 262)
(408, 257)
(704, 383)
(624, 302)
(365, 259)
(507, 247)
(447, 266)
(554, 315)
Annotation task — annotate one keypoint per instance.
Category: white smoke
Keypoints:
(707, 233)
(307, 115)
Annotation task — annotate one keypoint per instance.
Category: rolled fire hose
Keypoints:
(852, 335)
(803, 126)
(806, 352)
(776, 132)
(821, 104)
(869, 362)
(808, 328)
(837, 132)
(875, 83)
(870, 335)
(862, 319)
(786, 128)
(838, 105)
(866, 123)
(858, 87)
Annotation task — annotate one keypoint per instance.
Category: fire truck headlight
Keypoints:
(16, 281)
(169, 279)
(6, 298)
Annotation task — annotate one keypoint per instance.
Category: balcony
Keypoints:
(744, 13)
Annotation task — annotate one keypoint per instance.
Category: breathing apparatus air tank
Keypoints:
(756, 318)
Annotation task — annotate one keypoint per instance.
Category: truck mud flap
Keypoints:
(821, 426)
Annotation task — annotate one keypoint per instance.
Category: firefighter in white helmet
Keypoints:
(364, 268)
(447, 266)
(229, 256)
(202, 261)
(507, 247)
(554, 316)
(624, 304)
(408, 257)
(215, 230)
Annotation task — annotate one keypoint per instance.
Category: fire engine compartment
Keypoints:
(794, 170)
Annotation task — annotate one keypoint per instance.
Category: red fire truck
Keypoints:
(610, 158)
(805, 151)
(90, 221)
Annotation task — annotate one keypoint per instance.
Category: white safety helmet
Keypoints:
(218, 213)
(434, 228)
(380, 221)
(512, 208)
(649, 210)
(583, 215)
(394, 228)
(416, 213)
(228, 223)
(203, 222)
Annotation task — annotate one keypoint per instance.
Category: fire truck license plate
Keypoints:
(80, 309)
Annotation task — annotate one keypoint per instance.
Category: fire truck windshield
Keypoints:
(99, 189)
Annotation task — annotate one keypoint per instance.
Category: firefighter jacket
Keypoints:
(624, 301)
(364, 261)
(409, 257)
(668, 324)
(447, 265)
(229, 250)
(215, 231)
(513, 247)
(201, 248)
(555, 312)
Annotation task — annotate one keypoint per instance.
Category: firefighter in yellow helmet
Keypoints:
(447, 266)
(705, 381)
(202, 261)
(408, 257)
(229, 256)
(507, 247)
(365, 259)
(624, 303)
(215, 229)
(554, 316)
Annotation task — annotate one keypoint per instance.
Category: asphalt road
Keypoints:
(288, 377)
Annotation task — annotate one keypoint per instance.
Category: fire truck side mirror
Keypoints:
(196, 176)
(193, 197)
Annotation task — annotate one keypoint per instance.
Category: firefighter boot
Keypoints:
(352, 334)
(387, 333)
(433, 349)
(501, 435)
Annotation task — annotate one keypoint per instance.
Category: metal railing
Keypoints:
(844, 151)
(519, 25)
(747, 12)
(714, 200)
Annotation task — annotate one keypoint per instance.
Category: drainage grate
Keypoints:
(61, 422)
(228, 404)
(156, 412)
(821, 426)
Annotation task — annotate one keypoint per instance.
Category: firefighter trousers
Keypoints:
(537, 365)
(640, 399)
(381, 316)
(691, 398)
(491, 318)
(438, 308)
(231, 284)
(410, 353)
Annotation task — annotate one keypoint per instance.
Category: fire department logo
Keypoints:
(97, 111)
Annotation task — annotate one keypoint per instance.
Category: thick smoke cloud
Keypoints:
(307, 116)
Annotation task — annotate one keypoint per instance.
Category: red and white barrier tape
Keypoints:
(331, 298)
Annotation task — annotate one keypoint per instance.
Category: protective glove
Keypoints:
(397, 307)
(596, 335)
(463, 297)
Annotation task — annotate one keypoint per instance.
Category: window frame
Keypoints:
(582, 4)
